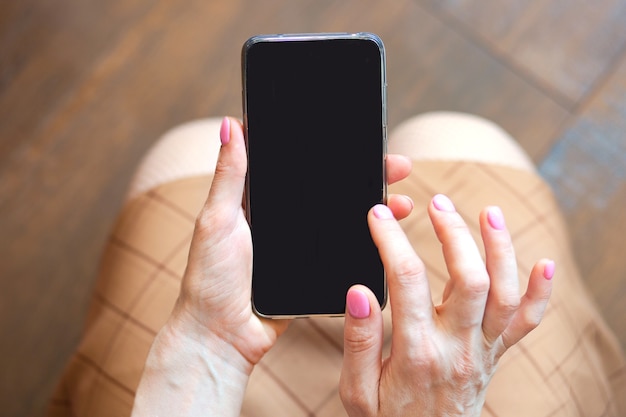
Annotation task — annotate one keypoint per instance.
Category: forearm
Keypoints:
(189, 376)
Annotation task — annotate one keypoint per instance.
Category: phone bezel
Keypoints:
(300, 37)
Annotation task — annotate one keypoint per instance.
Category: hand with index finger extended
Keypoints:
(442, 357)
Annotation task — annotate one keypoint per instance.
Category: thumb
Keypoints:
(222, 212)
(230, 172)
(363, 344)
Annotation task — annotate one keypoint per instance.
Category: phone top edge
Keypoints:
(286, 37)
(291, 37)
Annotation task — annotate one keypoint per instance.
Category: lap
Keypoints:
(570, 365)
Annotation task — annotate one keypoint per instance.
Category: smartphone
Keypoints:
(314, 111)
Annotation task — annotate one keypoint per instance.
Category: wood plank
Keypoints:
(46, 50)
(566, 45)
(587, 169)
(90, 87)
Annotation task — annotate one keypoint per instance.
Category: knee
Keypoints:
(457, 136)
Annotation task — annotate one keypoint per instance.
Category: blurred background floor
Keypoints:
(86, 87)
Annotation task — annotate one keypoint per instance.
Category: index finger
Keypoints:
(409, 292)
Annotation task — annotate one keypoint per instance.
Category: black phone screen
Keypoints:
(316, 136)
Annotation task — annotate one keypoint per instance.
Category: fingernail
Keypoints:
(548, 270)
(358, 304)
(443, 203)
(225, 131)
(382, 212)
(496, 218)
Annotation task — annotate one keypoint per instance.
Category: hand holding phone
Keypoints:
(315, 124)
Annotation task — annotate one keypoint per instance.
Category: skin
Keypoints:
(442, 356)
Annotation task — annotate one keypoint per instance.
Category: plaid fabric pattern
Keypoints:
(570, 366)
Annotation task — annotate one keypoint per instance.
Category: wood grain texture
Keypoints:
(587, 169)
(86, 87)
(565, 46)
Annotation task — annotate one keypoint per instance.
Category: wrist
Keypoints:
(189, 373)
(183, 327)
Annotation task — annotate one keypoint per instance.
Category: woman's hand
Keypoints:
(216, 289)
(442, 357)
(205, 353)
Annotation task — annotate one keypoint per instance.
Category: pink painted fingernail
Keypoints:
(496, 218)
(358, 304)
(548, 270)
(225, 131)
(382, 212)
(443, 203)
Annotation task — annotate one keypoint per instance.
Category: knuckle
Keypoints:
(463, 364)
(427, 360)
(359, 340)
(507, 251)
(531, 319)
(205, 223)
(355, 399)
(501, 249)
(508, 304)
(407, 269)
(455, 228)
(225, 169)
(476, 283)
(459, 226)
(213, 221)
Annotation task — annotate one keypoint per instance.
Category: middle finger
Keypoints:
(467, 290)
(398, 167)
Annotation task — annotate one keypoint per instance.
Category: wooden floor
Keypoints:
(86, 87)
